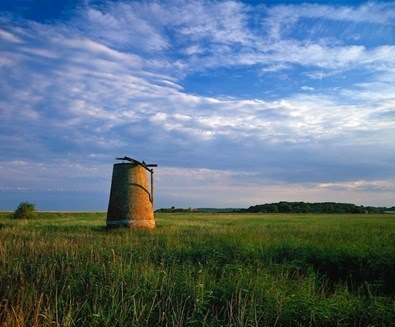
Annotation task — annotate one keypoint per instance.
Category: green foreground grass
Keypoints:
(196, 269)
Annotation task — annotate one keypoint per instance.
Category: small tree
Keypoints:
(25, 210)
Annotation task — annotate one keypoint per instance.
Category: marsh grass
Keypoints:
(66, 269)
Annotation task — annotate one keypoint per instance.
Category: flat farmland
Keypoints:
(198, 269)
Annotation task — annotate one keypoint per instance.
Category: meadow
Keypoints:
(195, 269)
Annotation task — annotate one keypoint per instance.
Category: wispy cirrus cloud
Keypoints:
(282, 19)
(360, 184)
(9, 37)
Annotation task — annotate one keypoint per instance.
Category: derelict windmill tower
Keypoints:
(131, 196)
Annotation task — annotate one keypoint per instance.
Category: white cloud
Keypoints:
(360, 185)
(275, 67)
(222, 22)
(283, 17)
(371, 12)
(324, 56)
(122, 25)
(7, 36)
(194, 50)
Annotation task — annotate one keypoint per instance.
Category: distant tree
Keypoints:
(284, 207)
(271, 208)
(329, 208)
(305, 207)
(25, 210)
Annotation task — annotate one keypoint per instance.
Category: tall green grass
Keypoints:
(66, 269)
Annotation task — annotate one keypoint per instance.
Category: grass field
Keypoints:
(66, 269)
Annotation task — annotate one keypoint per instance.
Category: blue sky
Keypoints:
(239, 103)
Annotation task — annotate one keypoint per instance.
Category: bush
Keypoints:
(25, 210)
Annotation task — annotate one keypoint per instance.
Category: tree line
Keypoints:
(306, 207)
